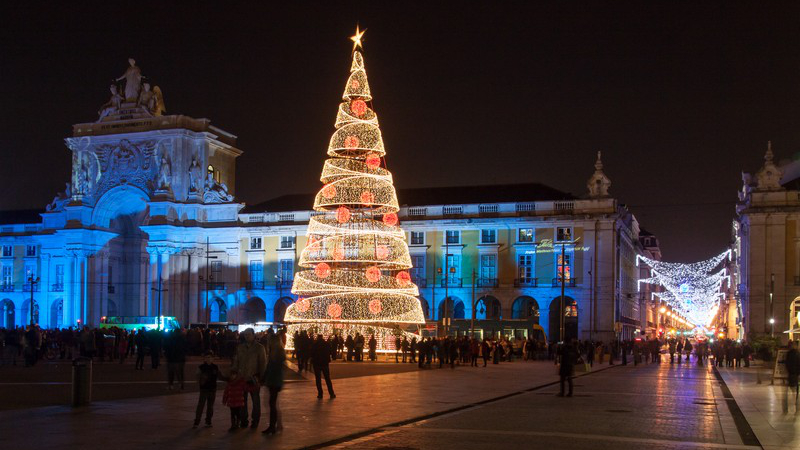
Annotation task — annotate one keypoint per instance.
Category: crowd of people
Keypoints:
(258, 359)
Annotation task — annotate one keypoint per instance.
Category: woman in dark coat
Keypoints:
(273, 378)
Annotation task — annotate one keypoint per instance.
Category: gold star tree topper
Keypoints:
(357, 38)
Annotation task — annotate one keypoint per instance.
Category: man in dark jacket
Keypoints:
(175, 352)
(793, 374)
(569, 356)
(321, 358)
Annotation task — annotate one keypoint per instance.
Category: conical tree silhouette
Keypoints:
(355, 265)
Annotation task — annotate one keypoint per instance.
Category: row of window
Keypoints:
(285, 271)
(257, 243)
(488, 268)
(8, 250)
(489, 236)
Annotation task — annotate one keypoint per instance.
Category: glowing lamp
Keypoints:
(323, 270)
(375, 306)
(329, 191)
(772, 321)
(390, 219)
(373, 161)
(382, 252)
(335, 310)
(669, 314)
(403, 277)
(302, 304)
(359, 107)
(342, 214)
(662, 310)
(367, 198)
(351, 142)
(373, 274)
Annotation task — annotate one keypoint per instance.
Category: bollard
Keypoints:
(81, 381)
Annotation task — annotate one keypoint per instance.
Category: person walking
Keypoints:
(569, 356)
(250, 362)
(207, 374)
(273, 378)
(321, 358)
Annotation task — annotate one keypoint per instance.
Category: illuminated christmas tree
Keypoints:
(355, 264)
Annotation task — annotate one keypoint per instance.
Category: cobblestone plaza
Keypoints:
(654, 406)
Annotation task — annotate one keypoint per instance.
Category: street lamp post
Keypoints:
(32, 281)
(159, 290)
(208, 278)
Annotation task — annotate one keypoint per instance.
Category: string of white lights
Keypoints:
(694, 289)
(356, 257)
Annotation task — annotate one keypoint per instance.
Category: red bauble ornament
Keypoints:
(375, 306)
(382, 252)
(323, 270)
(359, 107)
(302, 304)
(342, 214)
(373, 161)
(351, 142)
(335, 310)
(390, 219)
(338, 253)
(367, 198)
(354, 84)
(329, 191)
(373, 274)
(403, 277)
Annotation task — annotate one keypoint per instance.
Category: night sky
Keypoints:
(679, 97)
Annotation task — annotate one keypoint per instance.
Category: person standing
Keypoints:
(175, 352)
(404, 348)
(250, 363)
(397, 344)
(569, 356)
(234, 398)
(373, 347)
(793, 375)
(321, 358)
(273, 378)
(207, 375)
(141, 342)
(413, 348)
(679, 350)
(485, 350)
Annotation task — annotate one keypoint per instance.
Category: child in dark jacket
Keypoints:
(233, 398)
(207, 375)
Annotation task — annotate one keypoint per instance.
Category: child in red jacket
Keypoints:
(233, 398)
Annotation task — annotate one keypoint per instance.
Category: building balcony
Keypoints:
(256, 285)
(451, 282)
(526, 282)
(420, 282)
(7, 288)
(57, 288)
(569, 283)
(284, 284)
(27, 287)
(215, 286)
(112, 289)
(487, 282)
